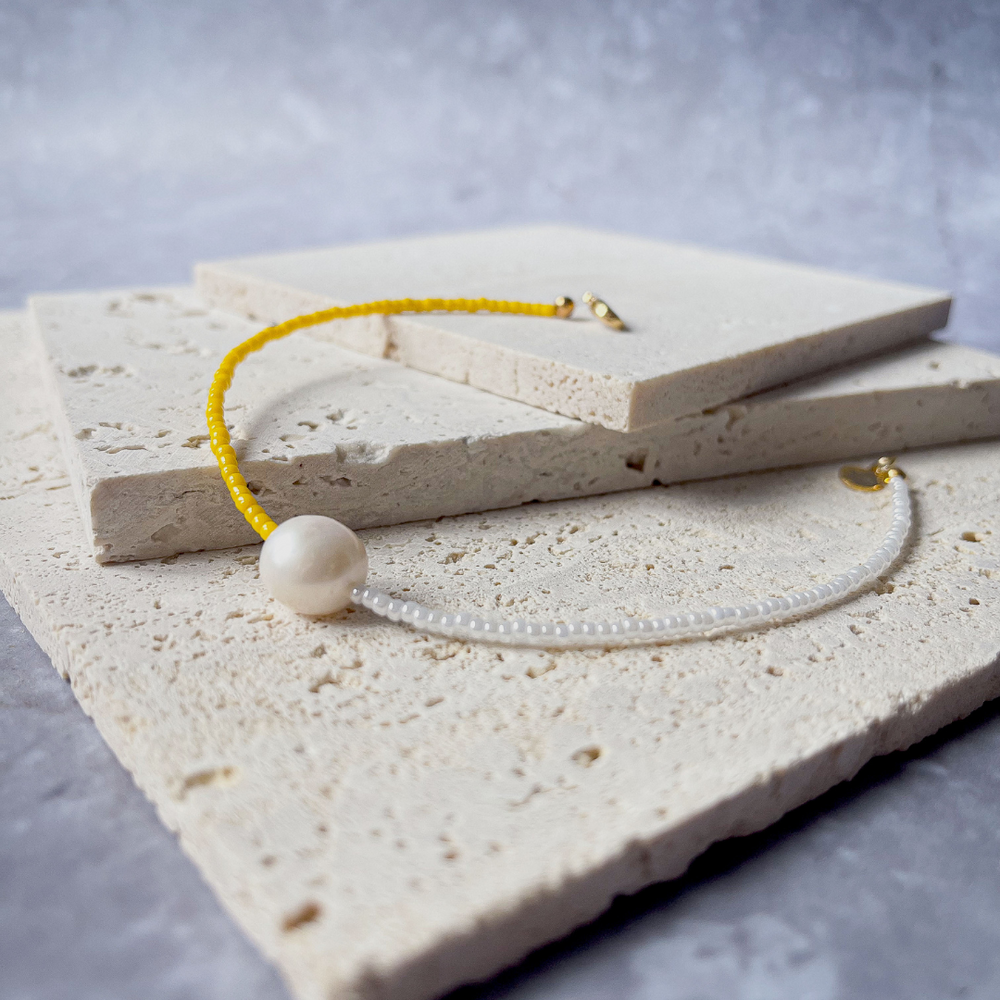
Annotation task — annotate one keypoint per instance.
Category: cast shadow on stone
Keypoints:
(263, 417)
(650, 909)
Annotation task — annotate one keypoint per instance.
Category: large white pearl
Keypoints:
(311, 563)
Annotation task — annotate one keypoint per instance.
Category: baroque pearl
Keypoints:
(311, 563)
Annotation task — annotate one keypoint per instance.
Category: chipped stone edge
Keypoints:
(504, 941)
(81, 484)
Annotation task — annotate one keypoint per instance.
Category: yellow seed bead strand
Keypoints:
(218, 433)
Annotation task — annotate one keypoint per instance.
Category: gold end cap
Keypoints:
(564, 307)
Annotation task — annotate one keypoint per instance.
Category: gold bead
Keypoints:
(564, 307)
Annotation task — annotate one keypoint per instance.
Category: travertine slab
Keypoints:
(388, 814)
(705, 327)
(323, 430)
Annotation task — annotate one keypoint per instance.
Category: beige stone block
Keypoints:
(705, 327)
(389, 815)
(325, 430)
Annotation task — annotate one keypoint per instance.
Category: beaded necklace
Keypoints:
(317, 566)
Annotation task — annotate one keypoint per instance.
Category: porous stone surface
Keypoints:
(389, 814)
(705, 327)
(324, 430)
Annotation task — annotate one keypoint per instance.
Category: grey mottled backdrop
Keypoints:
(137, 137)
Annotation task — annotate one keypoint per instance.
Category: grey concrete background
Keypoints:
(137, 137)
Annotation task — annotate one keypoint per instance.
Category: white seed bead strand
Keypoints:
(474, 625)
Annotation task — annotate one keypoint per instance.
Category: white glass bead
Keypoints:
(693, 622)
(312, 564)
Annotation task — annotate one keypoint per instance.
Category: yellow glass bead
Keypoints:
(219, 436)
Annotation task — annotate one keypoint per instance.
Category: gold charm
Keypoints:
(603, 311)
(871, 478)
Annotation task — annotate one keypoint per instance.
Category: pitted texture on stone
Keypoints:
(388, 814)
(369, 442)
(705, 327)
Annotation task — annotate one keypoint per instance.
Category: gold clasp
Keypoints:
(871, 478)
(603, 311)
(564, 309)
